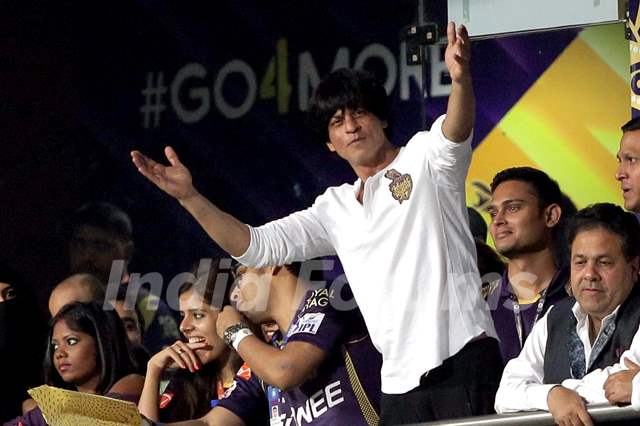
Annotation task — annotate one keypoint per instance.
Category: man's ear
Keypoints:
(385, 124)
(635, 265)
(331, 147)
(552, 214)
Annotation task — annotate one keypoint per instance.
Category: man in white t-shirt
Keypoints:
(400, 231)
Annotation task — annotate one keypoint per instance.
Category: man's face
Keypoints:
(250, 293)
(518, 224)
(628, 171)
(357, 136)
(601, 276)
(131, 323)
(93, 250)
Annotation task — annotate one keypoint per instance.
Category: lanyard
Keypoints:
(518, 316)
(273, 393)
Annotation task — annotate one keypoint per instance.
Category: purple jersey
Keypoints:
(346, 387)
(501, 302)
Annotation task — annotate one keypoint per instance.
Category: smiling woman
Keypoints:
(88, 352)
(211, 365)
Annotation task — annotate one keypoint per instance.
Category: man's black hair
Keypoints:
(104, 216)
(346, 89)
(547, 189)
(631, 125)
(613, 219)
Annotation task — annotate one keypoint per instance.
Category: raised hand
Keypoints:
(175, 179)
(458, 53)
(179, 354)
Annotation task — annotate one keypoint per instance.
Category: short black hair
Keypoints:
(631, 125)
(112, 345)
(296, 268)
(547, 189)
(613, 219)
(312, 274)
(104, 216)
(346, 88)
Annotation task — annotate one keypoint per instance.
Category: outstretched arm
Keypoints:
(227, 231)
(461, 108)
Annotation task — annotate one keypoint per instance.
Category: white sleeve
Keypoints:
(590, 387)
(521, 387)
(448, 161)
(635, 393)
(297, 237)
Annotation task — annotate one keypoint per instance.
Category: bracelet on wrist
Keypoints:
(234, 334)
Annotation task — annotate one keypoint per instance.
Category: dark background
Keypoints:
(71, 76)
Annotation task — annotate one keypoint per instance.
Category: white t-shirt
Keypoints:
(407, 253)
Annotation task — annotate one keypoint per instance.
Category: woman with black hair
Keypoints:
(88, 352)
(212, 365)
(23, 332)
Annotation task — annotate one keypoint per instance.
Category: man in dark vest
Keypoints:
(562, 366)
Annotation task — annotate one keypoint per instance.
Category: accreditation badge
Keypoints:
(273, 394)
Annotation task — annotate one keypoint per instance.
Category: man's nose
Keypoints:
(351, 123)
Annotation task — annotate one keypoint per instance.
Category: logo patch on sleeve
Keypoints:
(308, 323)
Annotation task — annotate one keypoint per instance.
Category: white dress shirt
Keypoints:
(522, 387)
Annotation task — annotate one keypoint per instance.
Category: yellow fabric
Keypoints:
(529, 301)
(62, 407)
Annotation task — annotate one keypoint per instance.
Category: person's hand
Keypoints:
(226, 318)
(568, 408)
(179, 354)
(458, 53)
(617, 388)
(175, 179)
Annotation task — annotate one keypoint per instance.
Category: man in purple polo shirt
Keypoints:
(321, 367)
(525, 212)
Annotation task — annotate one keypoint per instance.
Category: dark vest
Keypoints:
(561, 319)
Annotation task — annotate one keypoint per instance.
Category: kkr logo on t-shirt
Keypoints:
(400, 186)
(308, 323)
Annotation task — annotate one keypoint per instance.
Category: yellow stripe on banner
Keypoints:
(600, 39)
(567, 123)
(496, 153)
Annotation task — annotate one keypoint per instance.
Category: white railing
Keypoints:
(601, 413)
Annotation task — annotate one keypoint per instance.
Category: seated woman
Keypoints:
(88, 352)
(212, 365)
